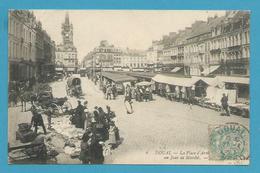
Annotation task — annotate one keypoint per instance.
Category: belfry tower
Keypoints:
(67, 32)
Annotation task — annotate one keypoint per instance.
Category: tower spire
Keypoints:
(67, 20)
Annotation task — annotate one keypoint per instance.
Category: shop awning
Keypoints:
(210, 69)
(176, 69)
(176, 81)
(118, 77)
(231, 79)
(146, 75)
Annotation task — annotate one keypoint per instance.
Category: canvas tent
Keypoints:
(172, 80)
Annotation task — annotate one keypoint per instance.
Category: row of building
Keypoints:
(31, 51)
(111, 58)
(220, 45)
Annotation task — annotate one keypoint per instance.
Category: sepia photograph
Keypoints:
(129, 87)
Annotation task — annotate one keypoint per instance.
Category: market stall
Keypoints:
(120, 80)
(172, 87)
(239, 104)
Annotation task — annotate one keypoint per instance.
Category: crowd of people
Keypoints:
(99, 127)
(143, 93)
(110, 91)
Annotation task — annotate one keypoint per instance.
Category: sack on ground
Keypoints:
(25, 137)
(24, 127)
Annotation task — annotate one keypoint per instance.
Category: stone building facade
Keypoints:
(26, 46)
(220, 45)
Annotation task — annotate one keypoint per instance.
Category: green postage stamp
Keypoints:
(228, 142)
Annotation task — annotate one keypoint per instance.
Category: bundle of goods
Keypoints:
(38, 148)
(24, 133)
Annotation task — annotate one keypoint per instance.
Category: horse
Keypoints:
(27, 96)
(12, 98)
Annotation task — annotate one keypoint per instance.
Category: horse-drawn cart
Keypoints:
(46, 100)
(73, 87)
(58, 105)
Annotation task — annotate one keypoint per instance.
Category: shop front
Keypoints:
(21, 70)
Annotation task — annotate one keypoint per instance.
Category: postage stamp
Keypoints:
(229, 141)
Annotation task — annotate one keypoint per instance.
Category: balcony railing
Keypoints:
(230, 61)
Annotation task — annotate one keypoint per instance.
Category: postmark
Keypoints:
(229, 141)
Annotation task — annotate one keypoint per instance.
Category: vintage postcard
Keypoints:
(128, 87)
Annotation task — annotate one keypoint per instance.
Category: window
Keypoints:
(248, 37)
(30, 36)
(18, 30)
(11, 49)
(9, 25)
(14, 29)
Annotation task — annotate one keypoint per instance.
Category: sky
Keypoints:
(134, 29)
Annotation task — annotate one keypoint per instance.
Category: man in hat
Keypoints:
(224, 103)
(37, 119)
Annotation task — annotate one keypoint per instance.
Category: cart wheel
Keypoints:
(55, 109)
(66, 107)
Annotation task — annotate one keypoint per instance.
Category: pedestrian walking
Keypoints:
(224, 103)
(109, 92)
(128, 101)
(114, 91)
